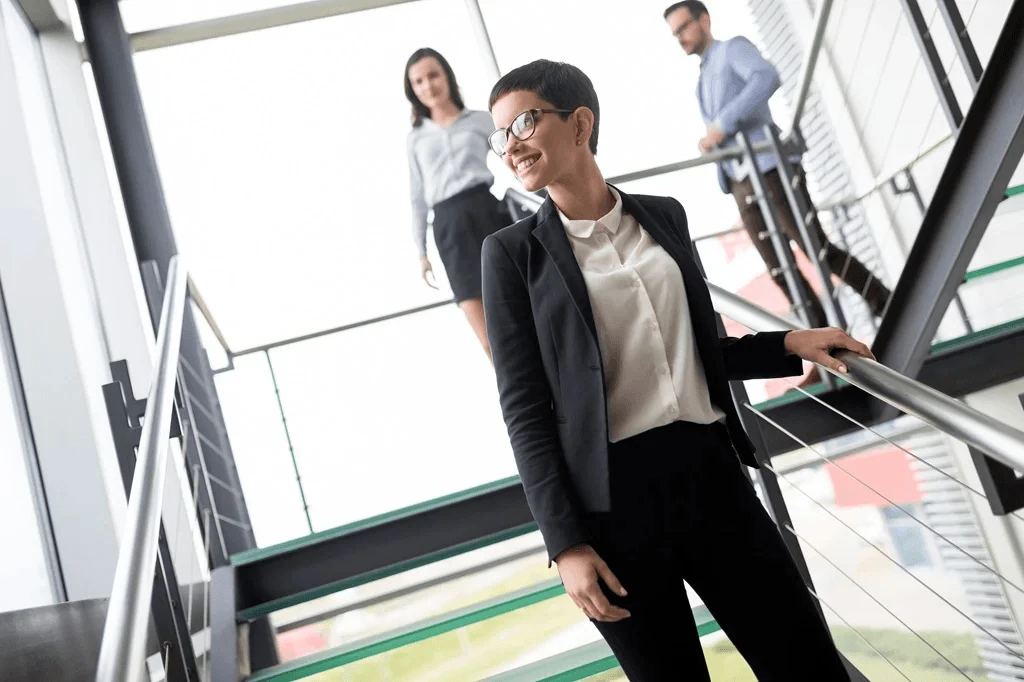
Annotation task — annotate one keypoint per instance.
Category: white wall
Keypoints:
(54, 322)
(29, 576)
(74, 301)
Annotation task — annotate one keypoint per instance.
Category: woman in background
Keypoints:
(448, 173)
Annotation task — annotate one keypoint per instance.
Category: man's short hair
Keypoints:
(564, 85)
(696, 7)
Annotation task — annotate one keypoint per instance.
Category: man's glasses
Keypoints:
(522, 128)
(682, 27)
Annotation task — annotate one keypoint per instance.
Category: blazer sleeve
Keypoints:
(754, 356)
(526, 400)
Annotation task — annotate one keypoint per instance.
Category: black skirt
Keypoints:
(461, 223)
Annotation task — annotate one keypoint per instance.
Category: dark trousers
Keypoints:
(682, 509)
(841, 263)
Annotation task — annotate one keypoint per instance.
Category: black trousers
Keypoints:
(682, 509)
(840, 263)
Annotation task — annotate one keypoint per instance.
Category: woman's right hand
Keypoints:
(427, 272)
(580, 569)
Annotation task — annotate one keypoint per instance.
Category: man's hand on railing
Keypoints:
(817, 345)
(712, 139)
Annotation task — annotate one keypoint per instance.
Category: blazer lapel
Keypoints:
(551, 235)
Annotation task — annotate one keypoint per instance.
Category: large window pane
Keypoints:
(25, 571)
(283, 157)
(391, 414)
(644, 80)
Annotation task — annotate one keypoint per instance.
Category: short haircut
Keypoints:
(564, 85)
(696, 7)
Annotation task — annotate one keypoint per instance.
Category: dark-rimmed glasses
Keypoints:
(522, 128)
(682, 27)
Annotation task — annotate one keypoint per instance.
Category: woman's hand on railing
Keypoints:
(817, 345)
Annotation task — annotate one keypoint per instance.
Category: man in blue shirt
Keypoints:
(735, 85)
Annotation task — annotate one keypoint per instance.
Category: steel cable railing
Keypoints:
(966, 546)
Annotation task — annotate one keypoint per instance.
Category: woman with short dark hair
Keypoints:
(613, 383)
(448, 173)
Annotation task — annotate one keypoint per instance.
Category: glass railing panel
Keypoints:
(417, 595)
(260, 446)
(479, 650)
(391, 414)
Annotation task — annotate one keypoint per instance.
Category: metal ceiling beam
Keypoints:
(251, 21)
(980, 166)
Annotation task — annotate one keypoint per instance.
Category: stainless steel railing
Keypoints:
(123, 646)
(996, 439)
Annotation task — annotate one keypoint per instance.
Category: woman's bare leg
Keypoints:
(474, 310)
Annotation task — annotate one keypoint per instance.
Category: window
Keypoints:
(908, 537)
(283, 158)
(645, 82)
(28, 570)
(380, 417)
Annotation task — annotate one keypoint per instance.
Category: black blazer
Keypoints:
(548, 365)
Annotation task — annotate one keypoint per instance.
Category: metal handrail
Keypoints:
(884, 178)
(123, 646)
(996, 439)
(200, 302)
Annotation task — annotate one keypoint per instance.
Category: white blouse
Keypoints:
(653, 375)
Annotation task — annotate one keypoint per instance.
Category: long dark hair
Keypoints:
(420, 110)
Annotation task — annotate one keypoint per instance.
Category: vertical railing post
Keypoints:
(802, 214)
(961, 41)
(787, 263)
(933, 63)
(288, 438)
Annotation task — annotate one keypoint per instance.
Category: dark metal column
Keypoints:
(932, 62)
(961, 41)
(152, 234)
(983, 159)
(223, 654)
(110, 54)
(149, 222)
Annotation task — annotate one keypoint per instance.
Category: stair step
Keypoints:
(586, 661)
(249, 556)
(358, 650)
(410, 634)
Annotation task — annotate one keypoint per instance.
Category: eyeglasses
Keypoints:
(682, 27)
(522, 128)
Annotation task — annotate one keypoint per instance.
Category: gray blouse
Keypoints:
(444, 162)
